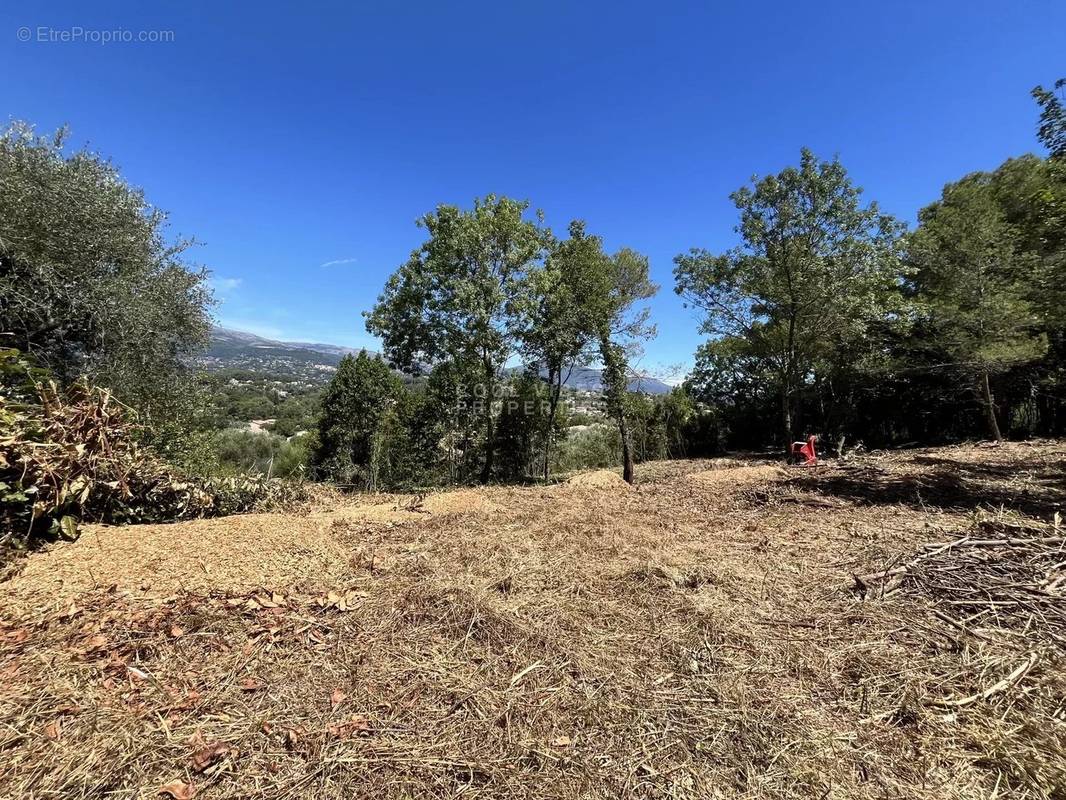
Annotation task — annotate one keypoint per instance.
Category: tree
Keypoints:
(556, 334)
(447, 422)
(813, 269)
(1052, 130)
(457, 296)
(973, 281)
(613, 290)
(524, 427)
(89, 283)
(359, 409)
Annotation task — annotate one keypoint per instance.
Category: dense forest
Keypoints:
(829, 317)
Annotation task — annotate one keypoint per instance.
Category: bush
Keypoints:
(245, 452)
(593, 448)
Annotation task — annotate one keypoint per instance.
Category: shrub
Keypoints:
(245, 452)
(595, 447)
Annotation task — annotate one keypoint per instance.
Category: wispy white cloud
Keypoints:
(224, 285)
(338, 261)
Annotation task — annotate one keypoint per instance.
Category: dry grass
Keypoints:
(693, 637)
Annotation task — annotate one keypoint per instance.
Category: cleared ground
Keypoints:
(889, 627)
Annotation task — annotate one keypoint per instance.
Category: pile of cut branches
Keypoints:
(73, 456)
(1004, 574)
(1001, 591)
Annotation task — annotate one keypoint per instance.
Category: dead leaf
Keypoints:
(93, 643)
(181, 702)
(358, 725)
(208, 755)
(178, 790)
(336, 697)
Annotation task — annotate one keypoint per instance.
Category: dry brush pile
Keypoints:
(72, 456)
(686, 638)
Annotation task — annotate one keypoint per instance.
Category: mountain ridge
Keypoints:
(233, 348)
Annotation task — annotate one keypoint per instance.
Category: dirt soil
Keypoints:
(893, 626)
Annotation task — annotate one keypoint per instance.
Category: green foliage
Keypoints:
(525, 427)
(667, 426)
(815, 270)
(596, 447)
(360, 424)
(1052, 130)
(244, 452)
(459, 296)
(973, 280)
(88, 283)
(448, 424)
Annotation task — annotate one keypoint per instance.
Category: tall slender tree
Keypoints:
(616, 287)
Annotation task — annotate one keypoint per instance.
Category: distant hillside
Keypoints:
(232, 349)
(313, 361)
(588, 378)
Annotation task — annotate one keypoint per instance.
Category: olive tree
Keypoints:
(89, 282)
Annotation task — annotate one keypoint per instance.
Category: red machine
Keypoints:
(804, 453)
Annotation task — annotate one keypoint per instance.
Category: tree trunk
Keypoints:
(786, 419)
(614, 378)
(990, 409)
(556, 382)
(490, 429)
(490, 446)
(627, 450)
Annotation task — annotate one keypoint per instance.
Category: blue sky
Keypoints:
(299, 143)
